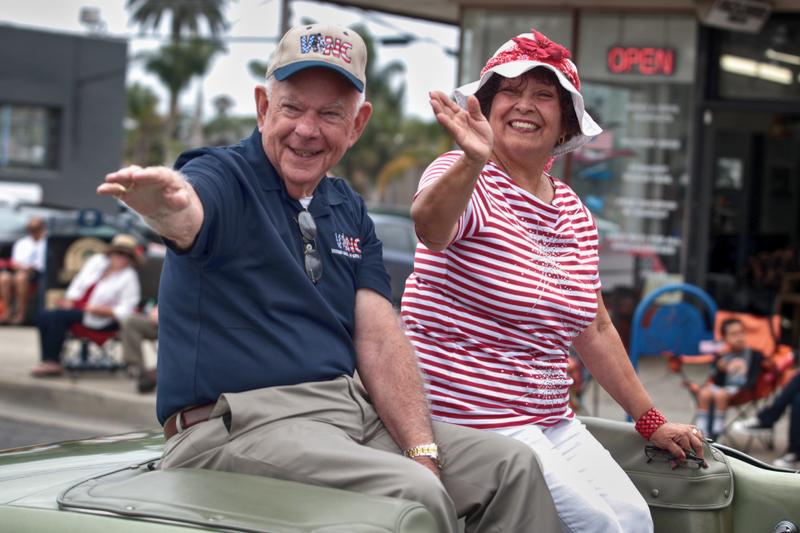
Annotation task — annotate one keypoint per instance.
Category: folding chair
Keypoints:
(763, 335)
(581, 379)
(91, 349)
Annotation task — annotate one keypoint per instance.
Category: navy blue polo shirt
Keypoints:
(237, 310)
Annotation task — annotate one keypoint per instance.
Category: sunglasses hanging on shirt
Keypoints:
(311, 257)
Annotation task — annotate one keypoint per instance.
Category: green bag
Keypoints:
(687, 498)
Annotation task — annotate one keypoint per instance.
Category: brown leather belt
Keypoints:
(186, 418)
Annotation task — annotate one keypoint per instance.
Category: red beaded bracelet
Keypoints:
(649, 422)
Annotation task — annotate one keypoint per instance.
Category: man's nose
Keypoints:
(307, 125)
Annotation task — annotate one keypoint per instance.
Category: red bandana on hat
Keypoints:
(541, 49)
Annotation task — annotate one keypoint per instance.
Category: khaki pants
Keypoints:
(327, 433)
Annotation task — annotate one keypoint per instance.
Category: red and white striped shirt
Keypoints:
(493, 315)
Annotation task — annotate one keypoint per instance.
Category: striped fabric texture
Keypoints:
(492, 316)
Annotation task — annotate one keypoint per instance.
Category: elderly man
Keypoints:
(274, 293)
(25, 268)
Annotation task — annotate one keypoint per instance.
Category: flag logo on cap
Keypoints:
(326, 45)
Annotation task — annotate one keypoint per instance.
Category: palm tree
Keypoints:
(175, 65)
(419, 143)
(257, 69)
(185, 14)
(385, 89)
(223, 128)
(142, 144)
(178, 62)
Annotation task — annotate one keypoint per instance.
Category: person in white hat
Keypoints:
(274, 292)
(506, 280)
(103, 293)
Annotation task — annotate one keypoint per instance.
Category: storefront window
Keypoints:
(485, 30)
(637, 73)
(28, 136)
(763, 66)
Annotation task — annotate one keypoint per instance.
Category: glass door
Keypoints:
(754, 223)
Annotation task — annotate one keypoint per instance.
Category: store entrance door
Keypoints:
(754, 222)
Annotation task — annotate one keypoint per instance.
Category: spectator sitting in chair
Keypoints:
(133, 330)
(735, 370)
(24, 268)
(102, 294)
(767, 417)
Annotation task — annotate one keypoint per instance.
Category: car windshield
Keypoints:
(64, 221)
(395, 232)
(12, 222)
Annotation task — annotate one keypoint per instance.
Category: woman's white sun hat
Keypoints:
(528, 51)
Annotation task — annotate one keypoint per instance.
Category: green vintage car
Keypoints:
(109, 484)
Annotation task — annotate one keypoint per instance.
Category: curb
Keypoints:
(109, 409)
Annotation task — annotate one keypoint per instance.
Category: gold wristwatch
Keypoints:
(430, 450)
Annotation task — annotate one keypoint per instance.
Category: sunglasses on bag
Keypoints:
(692, 461)
(311, 258)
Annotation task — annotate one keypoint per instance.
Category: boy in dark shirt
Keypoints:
(734, 370)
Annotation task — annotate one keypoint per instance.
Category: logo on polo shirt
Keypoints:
(327, 45)
(347, 246)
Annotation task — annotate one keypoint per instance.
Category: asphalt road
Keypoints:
(15, 433)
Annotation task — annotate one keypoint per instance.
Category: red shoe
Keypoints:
(47, 369)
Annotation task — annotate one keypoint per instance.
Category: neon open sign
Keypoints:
(645, 60)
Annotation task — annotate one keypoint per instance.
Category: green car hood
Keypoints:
(34, 476)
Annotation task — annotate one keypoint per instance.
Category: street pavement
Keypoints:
(98, 401)
(14, 433)
(103, 403)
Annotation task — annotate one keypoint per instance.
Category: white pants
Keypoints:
(590, 490)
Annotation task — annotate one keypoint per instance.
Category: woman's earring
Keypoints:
(562, 139)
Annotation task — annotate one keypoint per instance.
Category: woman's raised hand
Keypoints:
(148, 191)
(468, 127)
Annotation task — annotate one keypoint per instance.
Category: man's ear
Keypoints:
(361, 119)
(262, 103)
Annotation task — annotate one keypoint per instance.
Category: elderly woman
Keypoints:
(506, 279)
(102, 293)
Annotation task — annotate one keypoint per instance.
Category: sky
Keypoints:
(428, 66)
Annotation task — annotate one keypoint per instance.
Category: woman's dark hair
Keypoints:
(485, 96)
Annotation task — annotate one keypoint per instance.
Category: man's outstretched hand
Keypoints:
(149, 191)
(163, 197)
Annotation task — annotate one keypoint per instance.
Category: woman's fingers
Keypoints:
(440, 101)
(445, 101)
(447, 123)
(468, 127)
(676, 451)
(453, 123)
(474, 109)
(697, 441)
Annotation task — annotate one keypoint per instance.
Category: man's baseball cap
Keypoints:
(321, 45)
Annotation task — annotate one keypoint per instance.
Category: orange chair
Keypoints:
(95, 350)
(763, 334)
